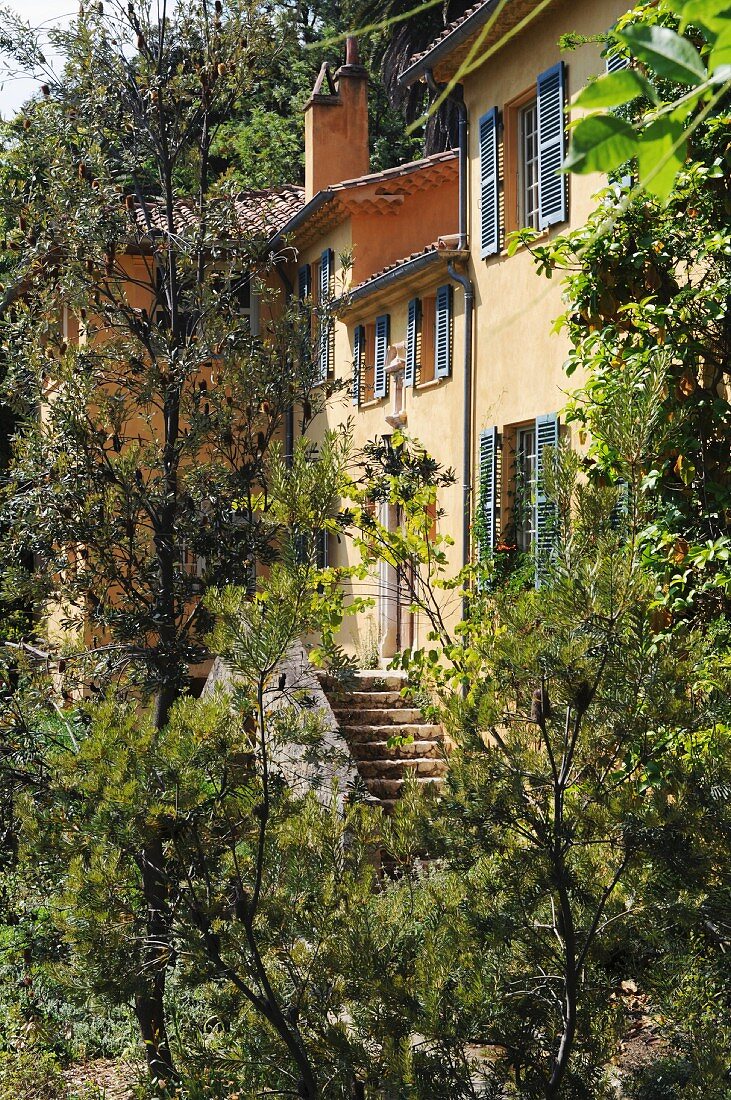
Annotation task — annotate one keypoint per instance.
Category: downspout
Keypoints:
(289, 412)
(469, 301)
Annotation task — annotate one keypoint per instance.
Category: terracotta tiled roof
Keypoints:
(260, 213)
(442, 249)
(398, 172)
(451, 28)
(452, 46)
(334, 203)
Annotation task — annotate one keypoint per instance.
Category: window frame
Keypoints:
(512, 156)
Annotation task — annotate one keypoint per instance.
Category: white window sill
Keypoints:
(430, 385)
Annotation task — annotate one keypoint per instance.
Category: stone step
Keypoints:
(368, 699)
(392, 788)
(421, 732)
(399, 769)
(378, 716)
(380, 750)
(379, 681)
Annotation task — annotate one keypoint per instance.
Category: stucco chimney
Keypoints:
(336, 125)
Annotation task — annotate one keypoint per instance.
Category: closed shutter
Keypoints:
(544, 510)
(304, 286)
(326, 328)
(443, 333)
(358, 355)
(383, 324)
(551, 146)
(489, 185)
(488, 494)
(412, 329)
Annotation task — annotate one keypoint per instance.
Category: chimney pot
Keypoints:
(351, 50)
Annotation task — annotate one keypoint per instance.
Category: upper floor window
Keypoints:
(521, 185)
(528, 166)
(429, 337)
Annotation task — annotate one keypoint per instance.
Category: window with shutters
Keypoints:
(326, 328)
(535, 194)
(525, 486)
(364, 345)
(425, 368)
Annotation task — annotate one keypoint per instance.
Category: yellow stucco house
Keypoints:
(444, 333)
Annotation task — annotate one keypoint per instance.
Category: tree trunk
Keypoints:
(150, 1013)
(150, 998)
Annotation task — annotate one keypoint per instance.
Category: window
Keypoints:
(535, 194)
(428, 334)
(525, 485)
(326, 333)
(528, 211)
(247, 302)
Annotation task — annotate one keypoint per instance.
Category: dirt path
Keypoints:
(112, 1080)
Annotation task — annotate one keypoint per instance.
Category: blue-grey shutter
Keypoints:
(358, 353)
(326, 329)
(383, 324)
(322, 549)
(412, 329)
(617, 61)
(489, 185)
(551, 146)
(304, 287)
(544, 510)
(443, 333)
(488, 491)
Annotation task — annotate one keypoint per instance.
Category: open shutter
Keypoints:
(443, 333)
(551, 146)
(617, 61)
(358, 354)
(412, 328)
(489, 193)
(383, 324)
(304, 286)
(326, 329)
(488, 495)
(544, 510)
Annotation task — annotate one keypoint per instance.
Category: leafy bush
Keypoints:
(30, 1074)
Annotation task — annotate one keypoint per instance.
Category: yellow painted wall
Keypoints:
(518, 366)
(518, 362)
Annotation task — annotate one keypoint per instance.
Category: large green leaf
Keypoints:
(720, 58)
(661, 155)
(666, 52)
(600, 143)
(711, 15)
(614, 89)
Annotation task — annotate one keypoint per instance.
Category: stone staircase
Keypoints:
(371, 712)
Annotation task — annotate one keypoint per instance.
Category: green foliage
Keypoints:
(30, 1074)
(674, 63)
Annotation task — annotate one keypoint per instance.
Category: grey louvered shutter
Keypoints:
(489, 185)
(544, 510)
(326, 329)
(358, 353)
(616, 62)
(304, 287)
(488, 491)
(383, 324)
(412, 327)
(443, 333)
(551, 146)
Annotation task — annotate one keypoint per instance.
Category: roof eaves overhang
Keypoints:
(404, 273)
(444, 46)
(316, 203)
